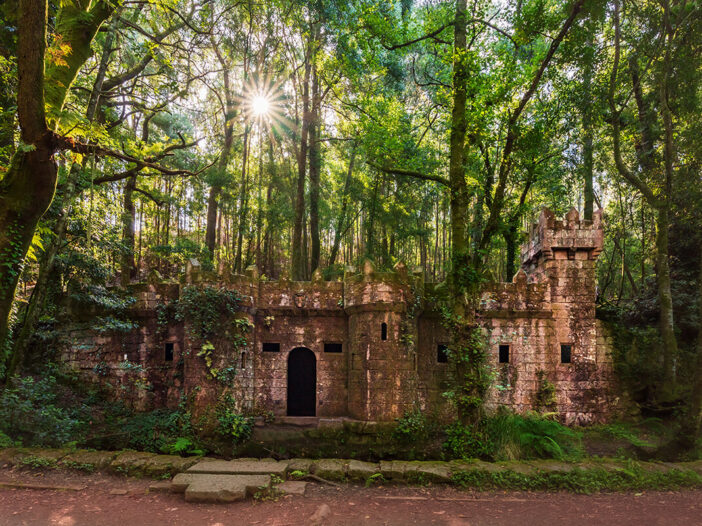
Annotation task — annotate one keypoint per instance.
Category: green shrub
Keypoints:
(509, 436)
(231, 423)
(412, 427)
(5, 441)
(466, 441)
(182, 446)
(156, 430)
(33, 462)
(530, 436)
(40, 412)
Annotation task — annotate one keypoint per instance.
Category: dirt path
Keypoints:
(351, 505)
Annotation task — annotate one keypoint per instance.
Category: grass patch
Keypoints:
(579, 480)
(33, 462)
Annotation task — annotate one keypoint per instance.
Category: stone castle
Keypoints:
(370, 347)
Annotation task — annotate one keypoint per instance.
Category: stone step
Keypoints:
(240, 467)
(224, 488)
(292, 487)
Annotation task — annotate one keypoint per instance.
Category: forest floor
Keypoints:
(105, 500)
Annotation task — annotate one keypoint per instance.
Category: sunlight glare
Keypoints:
(260, 105)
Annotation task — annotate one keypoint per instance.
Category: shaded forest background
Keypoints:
(306, 136)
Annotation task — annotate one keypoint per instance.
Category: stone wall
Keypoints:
(376, 343)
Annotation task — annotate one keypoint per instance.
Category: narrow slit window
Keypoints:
(168, 351)
(333, 347)
(504, 354)
(441, 354)
(243, 360)
(271, 347)
(383, 331)
(565, 352)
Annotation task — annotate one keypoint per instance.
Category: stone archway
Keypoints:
(302, 382)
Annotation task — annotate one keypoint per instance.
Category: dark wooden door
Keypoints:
(302, 382)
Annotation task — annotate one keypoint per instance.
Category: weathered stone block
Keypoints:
(331, 469)
(224, 488)
(241, 467)
(358, 470)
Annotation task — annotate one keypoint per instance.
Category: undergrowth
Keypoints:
(580, 480)
(509, 436)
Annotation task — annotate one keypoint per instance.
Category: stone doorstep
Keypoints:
(292, 487)
(181, 482)
(240, 467)
(224, 488)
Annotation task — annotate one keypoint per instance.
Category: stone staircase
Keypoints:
(233, 480)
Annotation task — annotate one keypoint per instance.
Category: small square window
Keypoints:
(271, 347)
(504, 354)
(441, 354)
(565, 352)
(333, 347)
(168, 351)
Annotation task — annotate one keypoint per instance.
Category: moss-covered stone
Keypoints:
(130, 463)
(433, 471)
(304, 465)
(83, 458)
(163, 464)
(458, 466)
(358, 470)
(331, 469)
(552, 466)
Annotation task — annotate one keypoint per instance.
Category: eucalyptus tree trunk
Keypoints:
(315, 167)
(242, 211)
(228, 129)
(298, 263)
(588, 191)
(339, 229)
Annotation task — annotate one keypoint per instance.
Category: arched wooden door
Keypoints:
(302, 382)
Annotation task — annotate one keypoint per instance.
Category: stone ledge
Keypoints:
(149, 464)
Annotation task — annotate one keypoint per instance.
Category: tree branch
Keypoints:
(410, 173)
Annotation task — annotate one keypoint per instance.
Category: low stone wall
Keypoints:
(593, 474)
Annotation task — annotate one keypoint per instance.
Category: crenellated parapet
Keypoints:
(569, 236)
(372, 290)
(515, 299)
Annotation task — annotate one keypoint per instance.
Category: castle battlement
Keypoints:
(550, 235)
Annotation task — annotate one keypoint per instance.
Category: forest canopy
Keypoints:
(304, 137)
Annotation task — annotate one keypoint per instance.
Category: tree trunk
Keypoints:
(298, 262)
(128, 217)
(28, 186)
(692, 421)
(511, 238)
(339, 229)
(665, 297)
(588, 191)
(315, 167)
(228, 128)
(242, 212)
(459, 189)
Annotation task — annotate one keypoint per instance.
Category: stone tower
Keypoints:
(382, 369)
(563, 254)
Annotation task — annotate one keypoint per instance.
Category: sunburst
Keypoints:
(263, 104)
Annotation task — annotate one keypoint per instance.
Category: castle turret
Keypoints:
(382, 358)
(563, 254)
